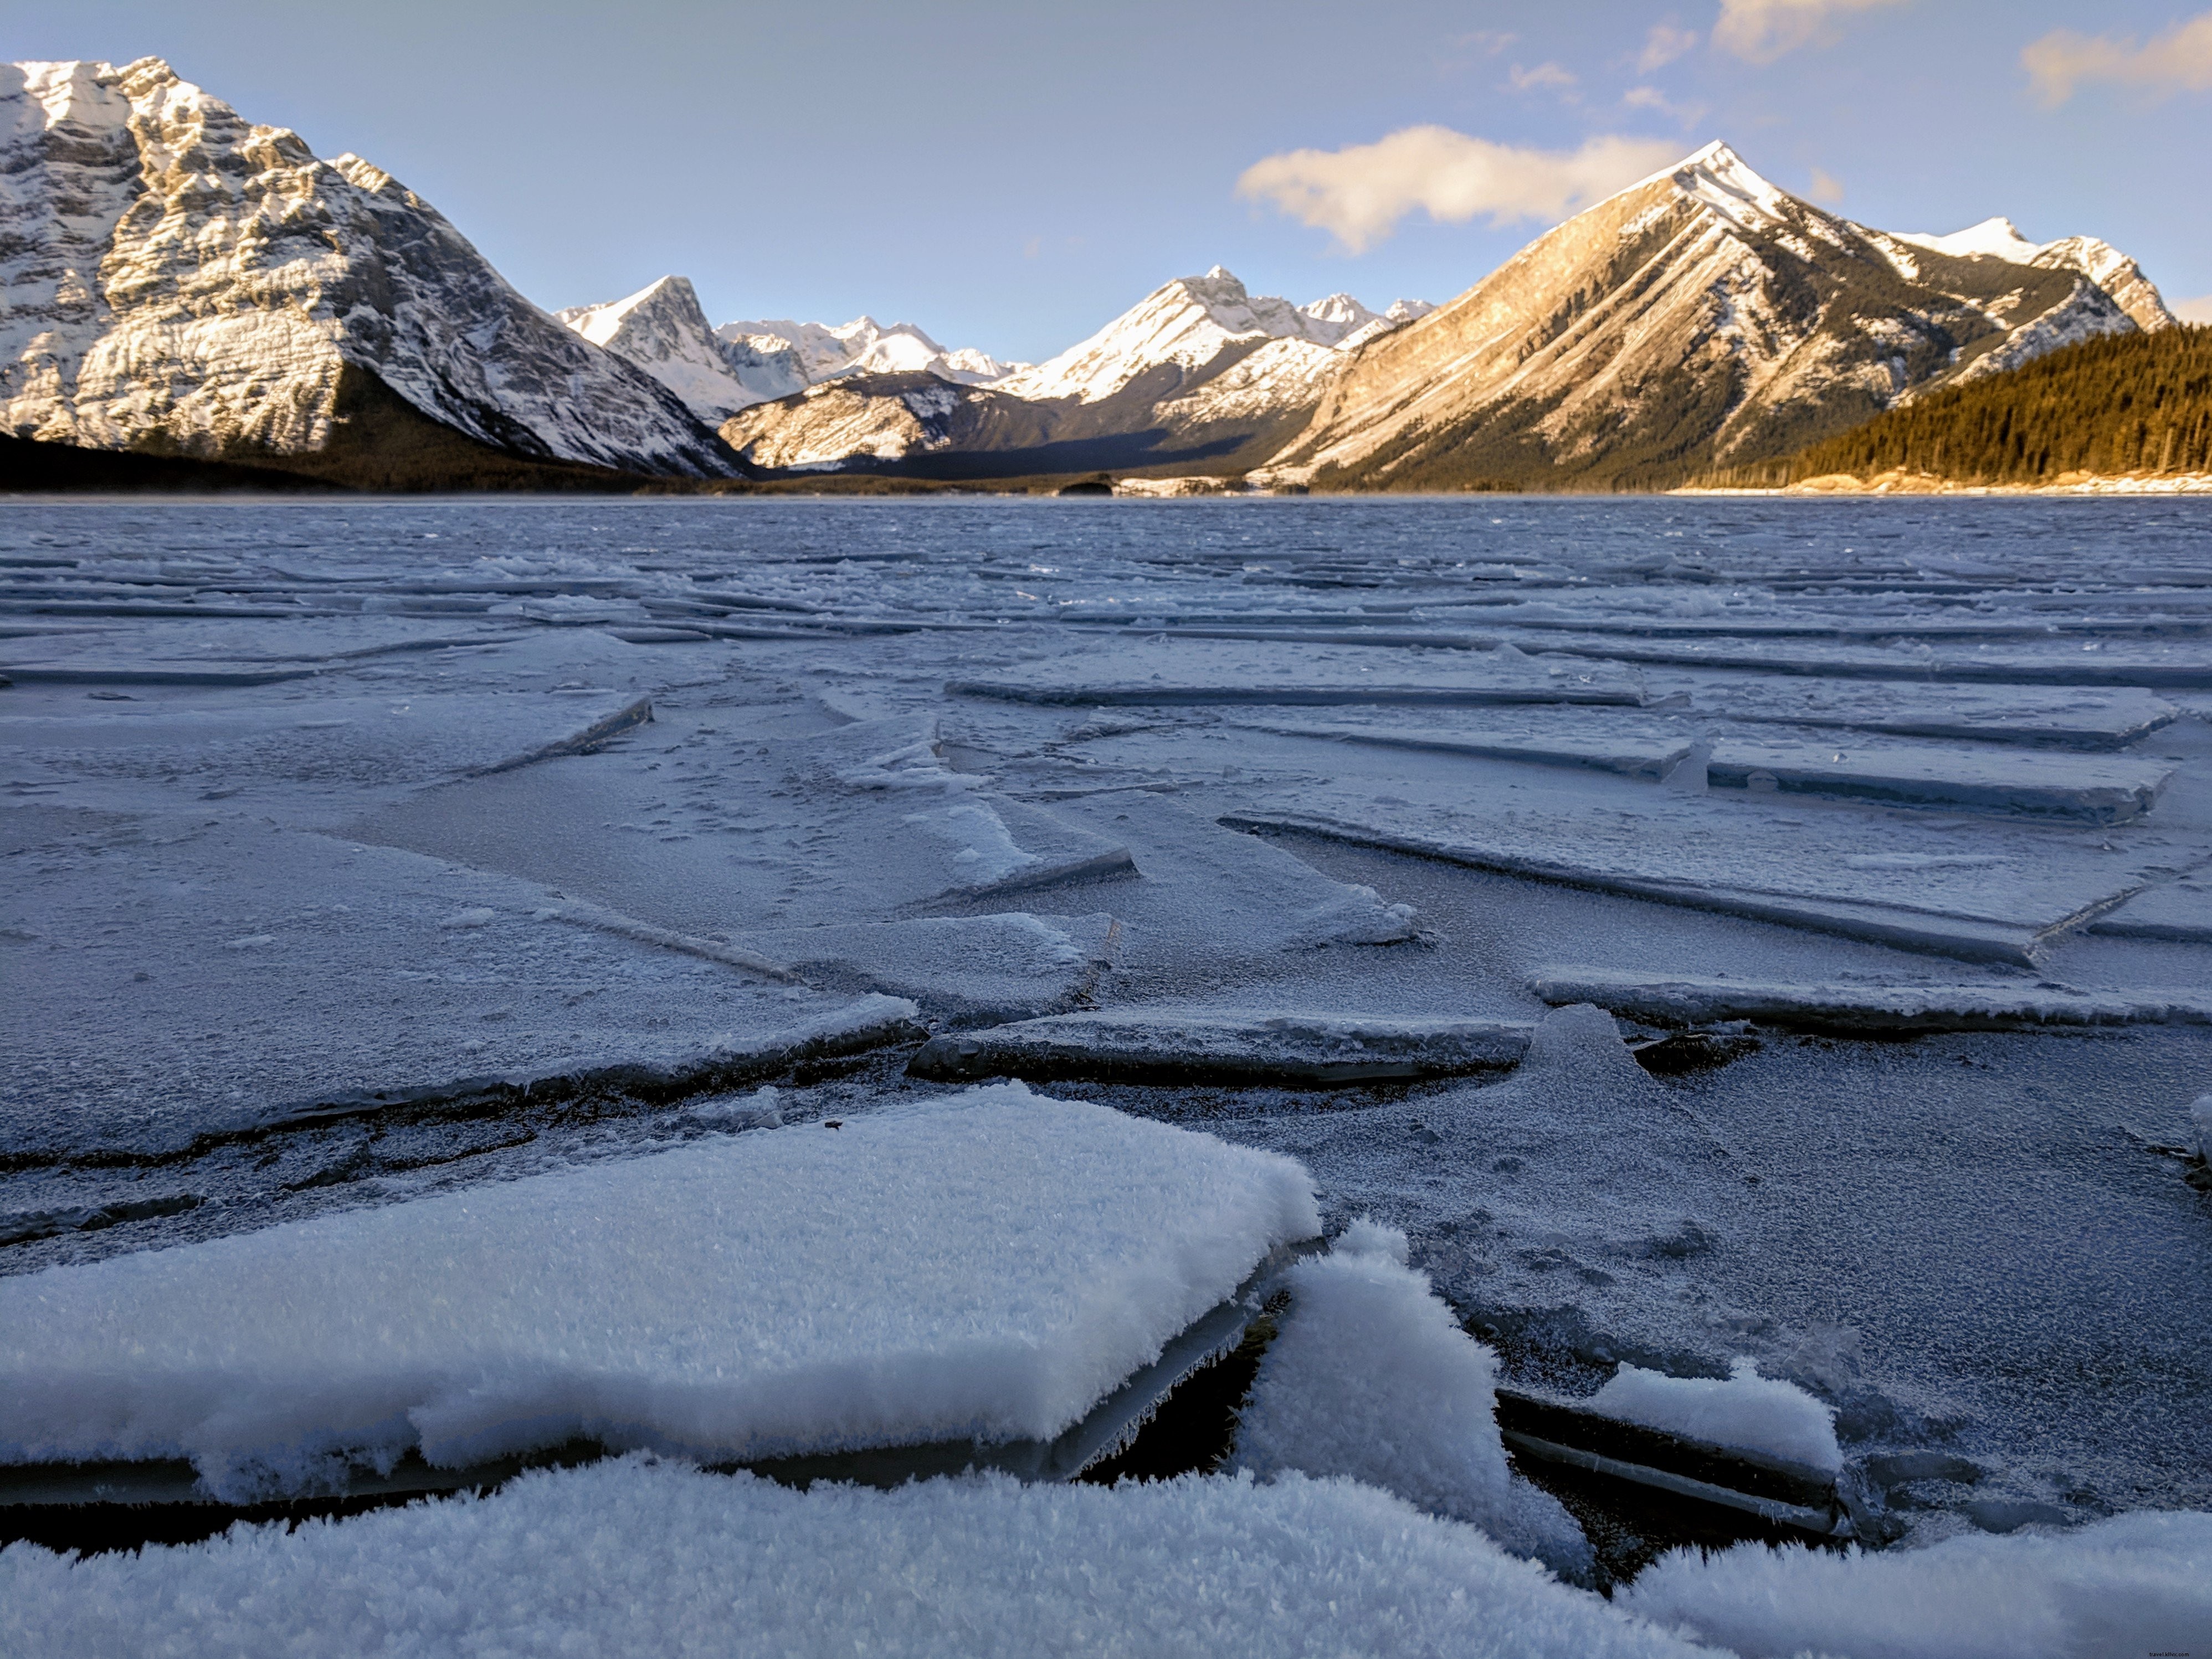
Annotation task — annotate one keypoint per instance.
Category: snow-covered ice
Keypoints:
(987, 1267)
(2133, 1584)
(1856, 1006)
(1372, 1378)
(628, 1559)
(1743, 1410)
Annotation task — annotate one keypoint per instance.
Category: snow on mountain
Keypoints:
(1702, 317)
(663, 330)
(864, 346)
(1190, 324)
(177, 277)
(2100, 261)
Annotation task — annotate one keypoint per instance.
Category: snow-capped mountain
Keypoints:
(1198, 370)
(2100, 261)
(864, 346)
(1702, 317)
(178, 278)
(663, 330)
(1192, 325)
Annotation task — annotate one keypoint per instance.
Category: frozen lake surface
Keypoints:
(357, 852)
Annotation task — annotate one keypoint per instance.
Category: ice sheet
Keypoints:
(1862, 1007)
(627, 1559)
(989, 1266)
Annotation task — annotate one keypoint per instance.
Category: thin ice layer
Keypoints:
(989, 1265)
(1853, 1007)
(2133, 1584)
(1254, 1045)
(633, 1558)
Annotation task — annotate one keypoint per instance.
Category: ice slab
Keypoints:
(1190, 1045)
(1161, 672)
(1852, 1006)
(1007, 965)
(2097, 788)
(1743, 1410)
(706, 833)
(1986, 889)
(1634, 754)
(635, 1558)
(986, 1267)
(1372, 1378)
(2132, 1585)
(2153, 665)
(173, 979)
(2177, 910)
(308, 756)
(2070, 717)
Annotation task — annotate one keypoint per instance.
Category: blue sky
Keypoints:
(1010, 176)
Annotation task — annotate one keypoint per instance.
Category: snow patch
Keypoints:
(1747, 1411)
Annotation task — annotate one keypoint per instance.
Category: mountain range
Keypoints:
(180, 282)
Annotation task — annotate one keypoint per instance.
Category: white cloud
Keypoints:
(2196, 311)
(1664, 45)
(2180, 60)
(1760, 31)
(1826, 188)
(1358, 194)
(1543, 77)
(1659, 103)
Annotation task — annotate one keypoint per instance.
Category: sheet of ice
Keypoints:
(170, 979)
(2134, 1584)
(2097, 788)
(1801, 863)
(1155, 669)
(1007, 965)
(1645, 753)
(2180, 911)
(2200, 1125)
(1164, 1044)
(632, 1559)
(988, 1266)
(710, 833)
(2070, 717)
(1867, 1008)
(1744, 1410)
(1371, 1378)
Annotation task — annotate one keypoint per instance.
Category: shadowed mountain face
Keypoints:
(1701, 317)
(182, 281)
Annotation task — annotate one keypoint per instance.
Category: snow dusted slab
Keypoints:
(2069, 717)
(1743, 1410)
(1646, 754)
(1163, 672)
(2097, 788)
(2137, 1583)
(170, 981)
(987, 1267)
(1987, 890)
(1856, 1007)
(2180, 911)
(635, 1558)
(1004, 966)
(1159, 1045)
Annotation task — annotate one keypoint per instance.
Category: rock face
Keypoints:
(180, 280)
(2100, 261)
(663, 331)
(1702, 318)
(1199, 373)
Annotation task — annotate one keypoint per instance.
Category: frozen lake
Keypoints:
(360, 851)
